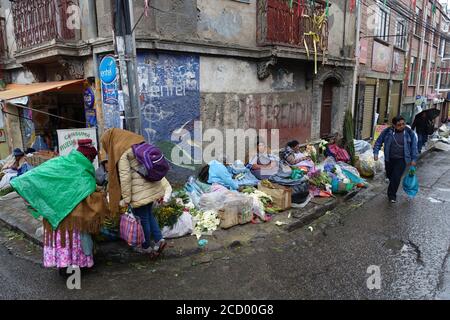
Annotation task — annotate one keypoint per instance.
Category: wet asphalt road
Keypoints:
(408, 241)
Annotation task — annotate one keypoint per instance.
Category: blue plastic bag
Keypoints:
(218, 173)
(411, 183)
(353, 178)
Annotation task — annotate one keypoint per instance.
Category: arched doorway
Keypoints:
(328, 100)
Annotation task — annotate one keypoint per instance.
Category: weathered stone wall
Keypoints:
(226, 21)
(232, 97)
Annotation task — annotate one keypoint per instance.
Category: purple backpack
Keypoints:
(154, 166)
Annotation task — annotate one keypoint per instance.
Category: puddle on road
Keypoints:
(405, 249)
(394, 245)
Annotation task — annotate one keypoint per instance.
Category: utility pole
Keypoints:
(126, 52)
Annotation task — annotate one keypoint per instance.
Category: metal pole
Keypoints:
(130, 47)
(357, 53)
(121, 23)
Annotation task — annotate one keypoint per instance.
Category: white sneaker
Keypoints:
(142, 250)
(159, 247)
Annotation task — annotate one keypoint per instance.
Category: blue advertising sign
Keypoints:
(110, 92)
(89, 98)
(108, 69)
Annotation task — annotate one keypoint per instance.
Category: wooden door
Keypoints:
(327, 102)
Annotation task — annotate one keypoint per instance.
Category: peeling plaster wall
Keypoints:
(232, 97)
(336, 30)
(170, 19)
(104, 18)
(227, 21)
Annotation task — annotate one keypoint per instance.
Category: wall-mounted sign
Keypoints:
(68, 140)
(89, 98)
(108, 69)
(381, 57)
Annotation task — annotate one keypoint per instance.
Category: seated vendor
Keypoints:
(16, 162)
(294, 157)
(263, 164)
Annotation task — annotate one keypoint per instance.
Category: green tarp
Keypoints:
(57, 186)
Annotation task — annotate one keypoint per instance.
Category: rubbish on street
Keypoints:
(202, 243)
(432, 200)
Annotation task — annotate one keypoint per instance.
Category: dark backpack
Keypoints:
(154, 165)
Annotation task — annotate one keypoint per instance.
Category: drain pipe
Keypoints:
(357, 53)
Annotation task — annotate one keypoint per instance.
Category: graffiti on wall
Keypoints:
(381, 57)
(290, 112)
(169, 86)
(110, 92)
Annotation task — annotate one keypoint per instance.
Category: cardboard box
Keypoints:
(234, 213)
(281, 195)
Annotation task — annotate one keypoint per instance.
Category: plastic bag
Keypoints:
(368, 167)
(361, 146)
(183, 227)
(411, 183)
(218, 173)
(346, 166)
(212, 201)
(300, 192)
(354, 178)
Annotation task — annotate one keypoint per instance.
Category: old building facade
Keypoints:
(235, 64)
(401, 48)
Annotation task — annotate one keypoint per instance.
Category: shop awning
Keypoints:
(14, 91)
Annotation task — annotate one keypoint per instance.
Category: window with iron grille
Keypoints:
(400, 33)
(428, 29)
(417, 27)
(412, 71)
(423, 73)
(382, 29)
(432, 74)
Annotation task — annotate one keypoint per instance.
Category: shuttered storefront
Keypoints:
(369, 101)
(395, 100)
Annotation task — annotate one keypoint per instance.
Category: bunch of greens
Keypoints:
(169, 213)
(319, 179)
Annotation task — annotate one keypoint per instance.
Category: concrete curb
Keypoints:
(225, 240)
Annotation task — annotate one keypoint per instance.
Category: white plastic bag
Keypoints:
(361, 146)
(212, 201)
(183, 227)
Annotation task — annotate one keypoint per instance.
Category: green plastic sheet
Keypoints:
(57, 186)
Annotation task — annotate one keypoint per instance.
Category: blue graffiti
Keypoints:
(170, 93)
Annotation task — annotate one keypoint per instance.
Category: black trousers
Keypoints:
(394, 172)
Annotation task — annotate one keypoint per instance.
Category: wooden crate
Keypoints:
(281, 195)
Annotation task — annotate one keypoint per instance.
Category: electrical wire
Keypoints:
(43, 112)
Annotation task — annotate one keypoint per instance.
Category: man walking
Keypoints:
(423, 128)
(400, 150)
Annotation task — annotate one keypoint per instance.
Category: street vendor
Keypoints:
(13, 165)
(294, 157)
(263, 163)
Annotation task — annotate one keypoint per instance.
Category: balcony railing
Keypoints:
(279, 24)
(39, 21)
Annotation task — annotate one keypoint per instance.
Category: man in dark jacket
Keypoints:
(400, 150)
(423, 128)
